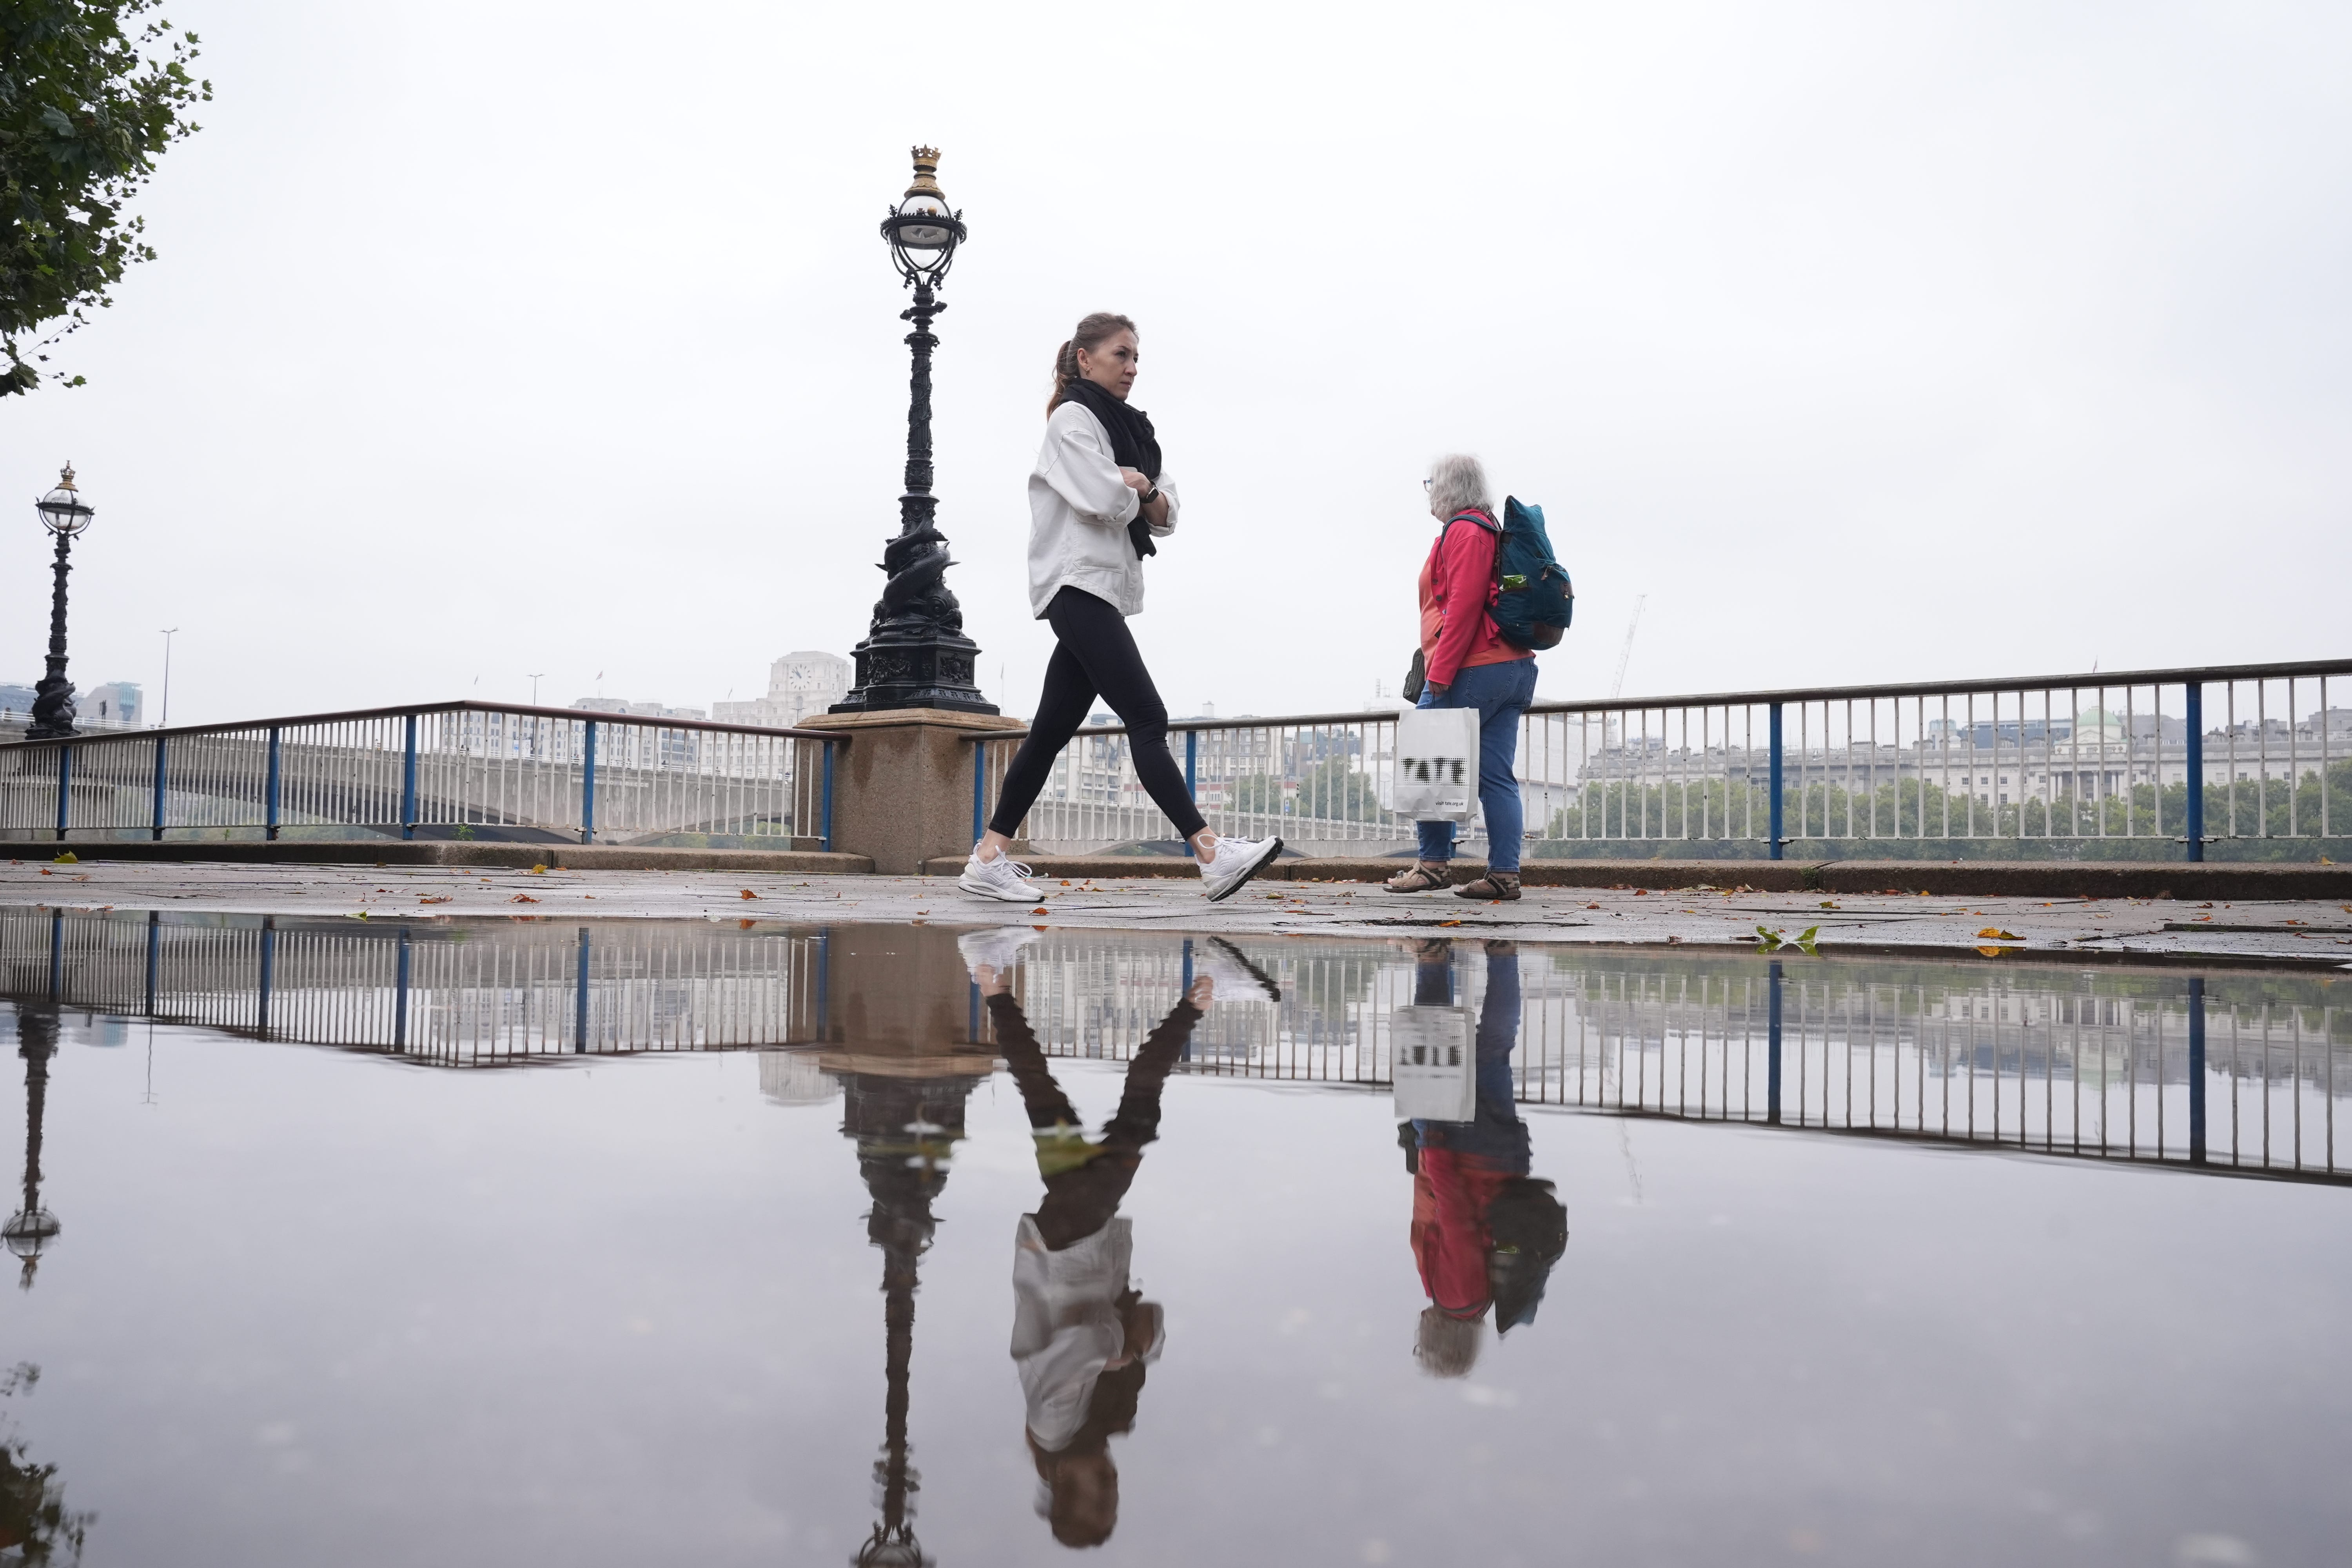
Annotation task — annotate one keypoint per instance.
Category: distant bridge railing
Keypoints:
(433, 769)
(2088, 767)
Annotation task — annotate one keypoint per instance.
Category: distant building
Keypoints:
(800, 686)
(112, 706)
(642, 709)
(16, 700)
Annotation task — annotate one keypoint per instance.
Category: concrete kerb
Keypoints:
(450, 852)
(1978, 879)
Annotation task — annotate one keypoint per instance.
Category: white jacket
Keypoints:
(1078, 511)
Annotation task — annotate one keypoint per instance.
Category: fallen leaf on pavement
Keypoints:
(523, 898)
(434, 898)
(1998, 934)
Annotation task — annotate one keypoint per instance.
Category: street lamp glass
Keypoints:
(916, 234)
(62, 510)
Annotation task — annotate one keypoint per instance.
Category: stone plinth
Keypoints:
(902, 787)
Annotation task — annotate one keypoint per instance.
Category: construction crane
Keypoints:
(1617, 686)
(1613, 729)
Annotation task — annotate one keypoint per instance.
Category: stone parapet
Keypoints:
(902, 783)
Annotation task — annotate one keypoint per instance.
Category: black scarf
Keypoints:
(1133, 444)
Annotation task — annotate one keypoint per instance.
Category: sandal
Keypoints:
(1502, 886)
(1422, 875)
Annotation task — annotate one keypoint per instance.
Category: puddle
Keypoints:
(800, 1244)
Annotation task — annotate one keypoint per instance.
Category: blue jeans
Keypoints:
(1500, 692)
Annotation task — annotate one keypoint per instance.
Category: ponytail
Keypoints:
(1090, 331)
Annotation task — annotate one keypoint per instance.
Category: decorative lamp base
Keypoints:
(915, 667)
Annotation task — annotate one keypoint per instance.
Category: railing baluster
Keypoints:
(155, 829)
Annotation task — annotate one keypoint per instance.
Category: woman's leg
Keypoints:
(1061, 709)
(1513, 688)
(1095, 635)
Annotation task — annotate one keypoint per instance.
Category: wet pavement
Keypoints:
(496, 1241)
(2302, 931)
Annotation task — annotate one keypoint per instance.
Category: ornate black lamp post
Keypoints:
(62, 513)
(915, 655)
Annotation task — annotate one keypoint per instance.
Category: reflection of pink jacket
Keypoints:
(1451, 1192)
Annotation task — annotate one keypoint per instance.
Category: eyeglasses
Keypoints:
(1429, 484)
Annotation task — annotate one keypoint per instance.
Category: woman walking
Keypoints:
(1098, 498)
(1470, 666)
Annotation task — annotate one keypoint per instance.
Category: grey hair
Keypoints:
(1457, 481)
(1447, 1346)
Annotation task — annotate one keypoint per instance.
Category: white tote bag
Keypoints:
(1437, 765)
(1432, 1066)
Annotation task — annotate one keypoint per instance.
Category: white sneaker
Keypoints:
(993, 948)
(1236, 860)
(1238, 980)
(998, 878)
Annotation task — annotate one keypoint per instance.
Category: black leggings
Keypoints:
(1095, 656)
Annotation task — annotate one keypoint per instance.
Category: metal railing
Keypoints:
(2236, 1069)
(2057, 766)
(434, 770)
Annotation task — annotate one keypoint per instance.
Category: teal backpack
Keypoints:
(1538, 600)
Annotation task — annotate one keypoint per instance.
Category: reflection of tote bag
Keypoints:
(1437, 765)
(1432, 1066)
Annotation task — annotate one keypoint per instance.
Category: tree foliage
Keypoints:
(90, 92)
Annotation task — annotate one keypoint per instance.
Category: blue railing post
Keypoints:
(588, 786)
(154, 954)
(156, 829)
(400, 997)
(269, 964)
(979, 789)
(825, 818)
(269, 817)
(580, 1000)
(1191, 788)
(2196, 1070)
(1780, 821)
(1772, 1042)
(408, 785)
(2196, 760)
(65, 786)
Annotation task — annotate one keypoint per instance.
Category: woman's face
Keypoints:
(1110, 364)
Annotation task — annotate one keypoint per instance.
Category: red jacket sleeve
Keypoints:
(1463, 586)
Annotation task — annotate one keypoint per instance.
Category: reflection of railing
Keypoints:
(2237, 1069)
(446, 769)
(2099, 765)
(461, 996)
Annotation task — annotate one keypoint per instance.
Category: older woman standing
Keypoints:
(1470, 666)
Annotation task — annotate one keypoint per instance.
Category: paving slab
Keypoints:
(2302, 932)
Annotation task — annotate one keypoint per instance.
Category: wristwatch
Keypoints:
(1151, 495)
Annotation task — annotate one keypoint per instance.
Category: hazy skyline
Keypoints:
(1867, 342)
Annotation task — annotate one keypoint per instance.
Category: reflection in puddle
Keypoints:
(1331, 1174)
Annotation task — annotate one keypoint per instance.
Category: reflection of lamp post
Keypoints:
(915, 655)
(63, 513)
(32, 1227)
(906, 1129)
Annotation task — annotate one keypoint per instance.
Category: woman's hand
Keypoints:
(1136, 479)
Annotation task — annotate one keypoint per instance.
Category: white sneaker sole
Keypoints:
(991, 891)
(1273, 849)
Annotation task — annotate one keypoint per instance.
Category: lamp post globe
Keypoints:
(66, 516)
(915, 654)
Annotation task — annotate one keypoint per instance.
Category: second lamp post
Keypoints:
(65, 514)
(915, 654)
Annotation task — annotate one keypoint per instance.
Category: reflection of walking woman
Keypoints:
(1485, 1232)
(1470, 666)
(1098, 498)
(1081, 1335)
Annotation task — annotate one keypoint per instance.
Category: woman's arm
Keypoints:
(1080, 470)
(1161, 513)
(1466, 570)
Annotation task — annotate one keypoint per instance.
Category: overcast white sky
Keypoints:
(1870, 341)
